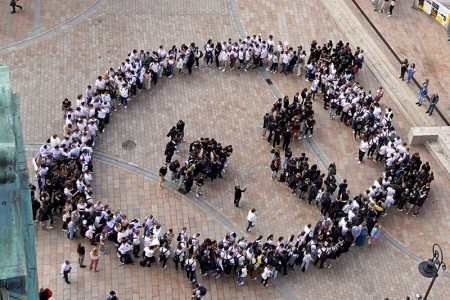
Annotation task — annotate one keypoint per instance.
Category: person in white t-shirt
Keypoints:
(251, 218)
(363, 148)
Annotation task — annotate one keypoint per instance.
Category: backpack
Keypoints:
(220, 245)
(179, 237)
(202, 290)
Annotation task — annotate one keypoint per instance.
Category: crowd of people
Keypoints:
(207, 158)
(65, 170)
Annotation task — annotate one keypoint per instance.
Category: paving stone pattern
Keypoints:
(29, 22)
(229, 107)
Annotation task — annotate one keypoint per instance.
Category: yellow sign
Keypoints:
(436, 10)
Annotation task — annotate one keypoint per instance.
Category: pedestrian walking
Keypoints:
(81, 251)
(162, 176)
(164, 253)
(433, 102)
(411, 72)
(251, 218)
(391, 8)
(13, 4)
(383, 5)
(403, 68)
(238, 194)
(65, 270)
(95, 258)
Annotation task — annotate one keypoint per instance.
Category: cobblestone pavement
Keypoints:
(213, 104)
(36, 18)
(427, 47)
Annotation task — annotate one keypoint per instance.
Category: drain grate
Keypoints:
(129, 145)
(269, 82)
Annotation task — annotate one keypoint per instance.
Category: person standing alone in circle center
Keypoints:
(238, 194)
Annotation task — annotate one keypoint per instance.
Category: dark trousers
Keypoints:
(190, 275)
(264, 281)
(163, 261)
(402, 72)
(361, 155)
(124, 100)
(310, 129)
(236, 202)
(379, 157)
(66, 276)
(14, 7)
(324, 210)
(136, 250)
(286, 143)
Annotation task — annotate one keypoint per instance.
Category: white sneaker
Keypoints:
(223, 70)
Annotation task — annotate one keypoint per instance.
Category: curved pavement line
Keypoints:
(75, 20)
(146, 174)
(132, 168)
(315, 148)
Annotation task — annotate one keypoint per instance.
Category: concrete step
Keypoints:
(441, 155)
(444, 141)
(378, 63)
(418, 135)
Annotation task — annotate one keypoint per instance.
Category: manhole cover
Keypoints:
(129, 145)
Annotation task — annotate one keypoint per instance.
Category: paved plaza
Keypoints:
(56, 48)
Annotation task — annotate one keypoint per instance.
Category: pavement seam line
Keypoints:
(277, 93)
(134, 169)
(37, 14)
(75, 20)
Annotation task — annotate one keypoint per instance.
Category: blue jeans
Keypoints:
(250, 225)
(410, 76)
(71, 232)
(169, 69)
(240, 279)
(421, 98)
(430, 109)
(285, 161)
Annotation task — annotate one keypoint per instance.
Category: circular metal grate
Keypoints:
(129, 145)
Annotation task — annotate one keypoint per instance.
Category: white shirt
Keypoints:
(251, 217)
(125, 247)
(65, 267)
